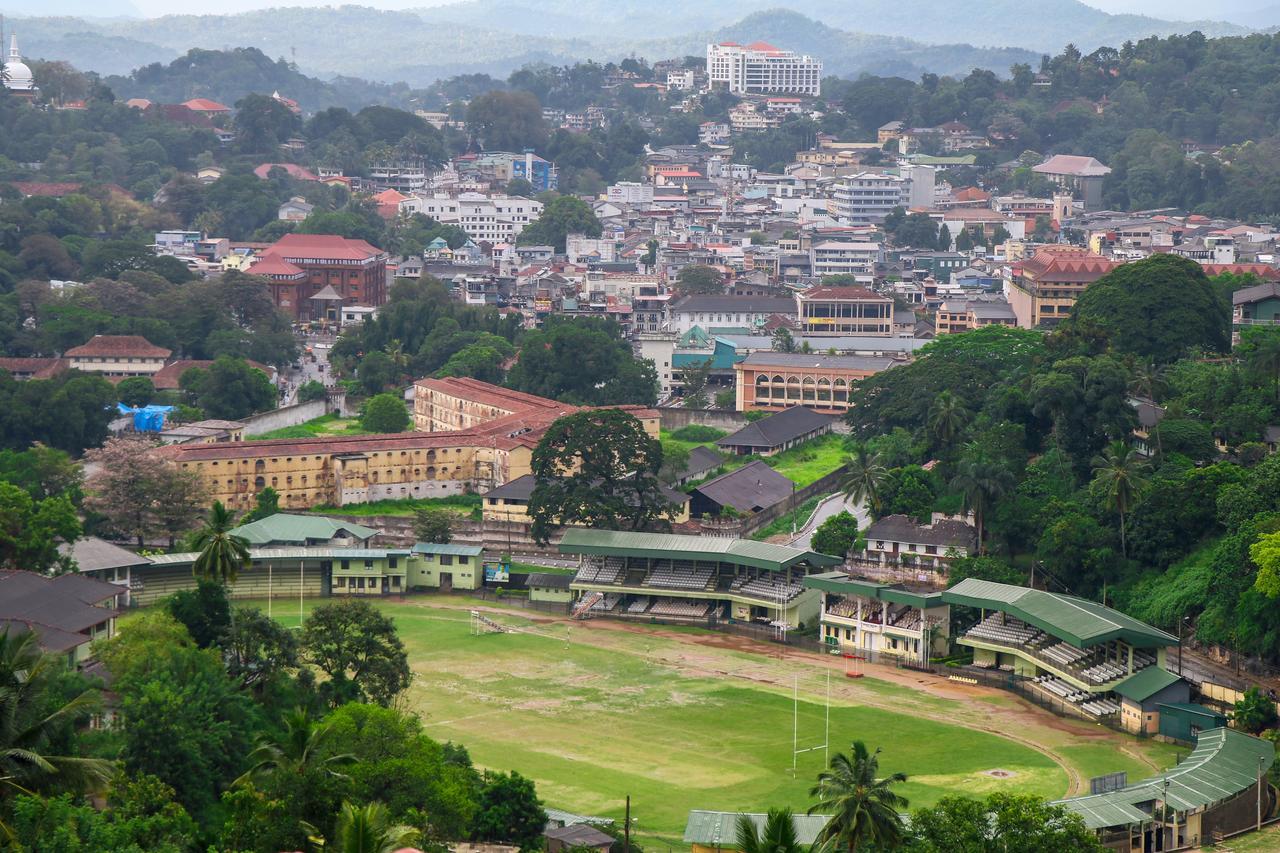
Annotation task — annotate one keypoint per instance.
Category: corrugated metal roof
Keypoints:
(1146, 683)
(287, 527)
(312, 553)
(841, 583)
(763, 555)
(1224, 763)
(449, 548)
(1077, 620)
(720, 829)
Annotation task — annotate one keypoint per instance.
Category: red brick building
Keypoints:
(314, 275)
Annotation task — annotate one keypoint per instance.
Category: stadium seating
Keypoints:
(846, 607)
(1000, 628)
(606, 603)
(768, 588)
(639, 604)
(679, 574)
(598, 571)
(679, 607)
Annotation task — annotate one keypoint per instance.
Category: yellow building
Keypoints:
(495, 448)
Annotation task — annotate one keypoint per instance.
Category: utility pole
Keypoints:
(626, 828)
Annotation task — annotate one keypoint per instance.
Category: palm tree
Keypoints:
(947, 417)
(222, 553)
(865, 810)
(27, 724)
(864, 479)
(364, 829)
(297, 752)
(1122, 472)
(981, 481)
(777, 836)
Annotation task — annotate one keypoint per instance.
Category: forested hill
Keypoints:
(227, 76)
(499, 36)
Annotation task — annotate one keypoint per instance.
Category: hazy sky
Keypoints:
(1176, 9)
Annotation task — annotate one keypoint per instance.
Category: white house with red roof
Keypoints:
(118, 356)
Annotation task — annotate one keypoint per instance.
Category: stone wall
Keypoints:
(675, 418)
(288, 416)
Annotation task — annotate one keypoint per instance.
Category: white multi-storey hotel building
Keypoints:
(762, 69)
(496, 218)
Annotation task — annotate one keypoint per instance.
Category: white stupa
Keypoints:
(17, 76)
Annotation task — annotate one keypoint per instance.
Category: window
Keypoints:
(391, 562)
(346, 565)
(446, 559)
(368, 564)
(462, 561)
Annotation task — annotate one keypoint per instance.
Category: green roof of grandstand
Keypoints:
(285, 528)
(841, 583)
(1144, 684)
(315, 552)
(1224, 763)
(746, 552)
(720, 829)
(448, 548)
(1080, 622)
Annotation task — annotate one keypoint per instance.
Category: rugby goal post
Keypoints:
(825, 746)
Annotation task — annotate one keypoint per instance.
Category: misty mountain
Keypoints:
(1040, 25)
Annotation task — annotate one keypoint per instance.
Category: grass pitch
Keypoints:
(681, 719)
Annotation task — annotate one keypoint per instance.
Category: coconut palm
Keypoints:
(778, 835)
(865, 810)
(947, 418)
(981, 481)
(298, 752)
(27, 724)
(864, 479)
(364, 829)
(222, 553)
(1121, 471)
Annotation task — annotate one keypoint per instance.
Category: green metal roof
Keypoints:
(720, 829)
(1192, 708)
(1080, 622)
(300, 529)
(762, 555)
(1146, 683)
(1224, 763)
(449, 548)
(841, 583)
(312, 553)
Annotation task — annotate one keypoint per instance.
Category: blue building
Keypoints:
(542, 174)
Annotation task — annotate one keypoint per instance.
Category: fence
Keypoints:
(673, 418)
(1024, 687)
(286, 417)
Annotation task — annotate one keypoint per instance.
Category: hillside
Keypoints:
(498, 36)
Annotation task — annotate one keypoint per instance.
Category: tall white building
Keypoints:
(844, 258)
(866, 198)
(496, 219)
(921, 181)
(762, 69)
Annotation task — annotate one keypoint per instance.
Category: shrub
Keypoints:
(698, 433)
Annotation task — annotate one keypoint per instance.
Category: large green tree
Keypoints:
(598, 469)
(563, 216)
(1010, 823)
(359, 650)
(1157, 309)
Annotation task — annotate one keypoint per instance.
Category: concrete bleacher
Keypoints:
(639, 604)
(1093, 704)
(606, 571)
(679, 607)
(606, 603)
(1000, 628)
(768, 588)
(679, 574)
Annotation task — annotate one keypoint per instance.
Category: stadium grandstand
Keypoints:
(875, 619)
(647, 575)
(1091, 657)
(1216, 791)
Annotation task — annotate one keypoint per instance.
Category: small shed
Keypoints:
(578, 835)
(548, 586)
(1142, 693)
(1185, 720)
(752, 488)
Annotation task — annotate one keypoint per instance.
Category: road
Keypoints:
(827, 507)
(292, 379)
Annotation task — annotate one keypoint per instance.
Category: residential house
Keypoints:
(901, 548)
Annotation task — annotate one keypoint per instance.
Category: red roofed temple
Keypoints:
(313, 276)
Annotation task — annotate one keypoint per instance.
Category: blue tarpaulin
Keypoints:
(146, 418)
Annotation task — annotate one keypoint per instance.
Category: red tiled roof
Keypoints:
(1066, 264)
(36, 368)
(293, 169)
(971, 194)
(484, 392)
(180, 113)
(323, 247)
(204, 105)
(118, 345)
(1263, 271)
(276, 267)
(761, 45)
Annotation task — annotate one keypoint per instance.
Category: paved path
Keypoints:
(827, 507)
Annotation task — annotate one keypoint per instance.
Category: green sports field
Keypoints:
(684, 719)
